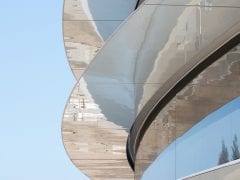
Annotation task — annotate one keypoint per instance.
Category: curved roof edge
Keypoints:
(173, 86)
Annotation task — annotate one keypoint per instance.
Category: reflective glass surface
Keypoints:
(99, 9)
(148, 49)
(199, 128)
(229, 171)
(153, 50)
(95, 129)
(87, 24)
(96, 146)
(206, 3)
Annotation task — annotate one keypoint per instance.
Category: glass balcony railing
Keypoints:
(86, 26)
(148, 54)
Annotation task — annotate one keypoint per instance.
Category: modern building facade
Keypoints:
(160, 100)
(95, 145)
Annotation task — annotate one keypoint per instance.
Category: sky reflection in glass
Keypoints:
(199, 149)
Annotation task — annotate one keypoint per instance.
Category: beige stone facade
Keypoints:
(81, 38)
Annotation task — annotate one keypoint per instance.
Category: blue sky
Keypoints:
(35, 84)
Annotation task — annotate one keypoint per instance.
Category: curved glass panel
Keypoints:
(205, 3)
(229, 171)
(95, 146)
(199, 127)
(142, 55)
(94, 143)
(148, 49)
(87, 24)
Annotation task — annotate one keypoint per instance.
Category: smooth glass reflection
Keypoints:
(95, 144)
(228, 171)
(143, 54)
(114, 11)
(153, 50)
(199, 128)
(212, 142)
(203, 3)
(87, 24)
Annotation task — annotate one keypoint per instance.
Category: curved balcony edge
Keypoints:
(165, 93)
